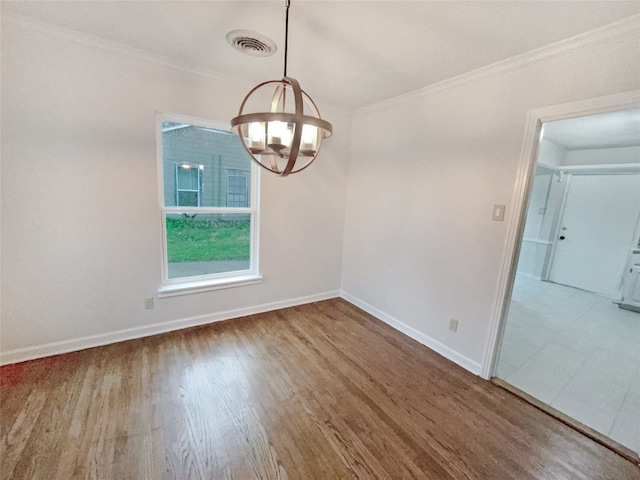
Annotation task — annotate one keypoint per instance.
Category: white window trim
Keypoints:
(186, 288)
(203, 283)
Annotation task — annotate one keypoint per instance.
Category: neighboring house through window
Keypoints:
(208, 202)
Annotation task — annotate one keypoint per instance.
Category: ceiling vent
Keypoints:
(252, 43)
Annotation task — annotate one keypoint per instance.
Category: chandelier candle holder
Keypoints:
(287, 138)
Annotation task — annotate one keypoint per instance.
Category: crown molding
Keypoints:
(611, 33)
(589, 40)
(43, 28)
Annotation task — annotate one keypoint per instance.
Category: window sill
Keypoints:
(187, 288)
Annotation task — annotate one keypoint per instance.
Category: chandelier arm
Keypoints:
(273, 162)
(297, 131)
(246, 98)
(277, 95)
(282, 117)
(318, 121)
(307, 164)
(297, 94)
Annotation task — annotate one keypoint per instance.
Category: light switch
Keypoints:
(498, 213)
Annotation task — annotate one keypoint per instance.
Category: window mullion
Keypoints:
(246, 210)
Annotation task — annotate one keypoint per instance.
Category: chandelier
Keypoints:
(285, 139)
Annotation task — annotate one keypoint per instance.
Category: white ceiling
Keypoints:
(605, 130)
(348, 53)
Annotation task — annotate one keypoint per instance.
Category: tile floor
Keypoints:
(578, 352)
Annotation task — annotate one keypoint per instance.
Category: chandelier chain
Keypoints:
(286, 35)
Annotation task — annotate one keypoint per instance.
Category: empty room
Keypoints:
(320, 239)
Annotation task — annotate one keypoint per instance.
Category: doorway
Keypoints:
(564, 343)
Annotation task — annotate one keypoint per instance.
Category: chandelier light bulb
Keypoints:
(256, 137)
(309, 139)
(279, 135)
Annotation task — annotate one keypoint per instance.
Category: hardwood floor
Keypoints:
(317, 391)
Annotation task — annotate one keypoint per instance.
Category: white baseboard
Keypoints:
(72, 345)
(424, 339)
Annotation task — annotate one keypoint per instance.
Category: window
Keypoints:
(237, 188)
(188, 184)
(208, 204)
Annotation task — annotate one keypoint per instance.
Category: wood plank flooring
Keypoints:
(318, 391)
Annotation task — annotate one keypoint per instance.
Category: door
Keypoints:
(596, 232)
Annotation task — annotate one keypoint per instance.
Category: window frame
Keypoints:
(201, 283)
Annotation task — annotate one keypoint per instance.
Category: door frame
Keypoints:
(546, 269)
(520, 202)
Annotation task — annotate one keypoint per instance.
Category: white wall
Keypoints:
(426, 169)
(81, 225)
(81, 228)
(551, 154)
(602, 156)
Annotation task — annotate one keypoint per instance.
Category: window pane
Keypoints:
(188, 199)
(202, 244)
(210, 153)
(237, 188)
(187, 177)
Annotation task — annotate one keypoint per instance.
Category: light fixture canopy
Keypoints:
(287, 138)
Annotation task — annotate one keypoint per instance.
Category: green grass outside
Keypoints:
(196, 240)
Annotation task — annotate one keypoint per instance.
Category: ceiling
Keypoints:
(605, 130)
(347, 53)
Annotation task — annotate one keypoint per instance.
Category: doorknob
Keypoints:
(561, 237)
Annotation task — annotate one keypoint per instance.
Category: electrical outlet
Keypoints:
(453, 325)
(148, 303)
(542, 211)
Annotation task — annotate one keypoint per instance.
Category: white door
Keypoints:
(596, 232)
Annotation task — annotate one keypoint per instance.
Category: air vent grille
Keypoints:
(251, 43)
